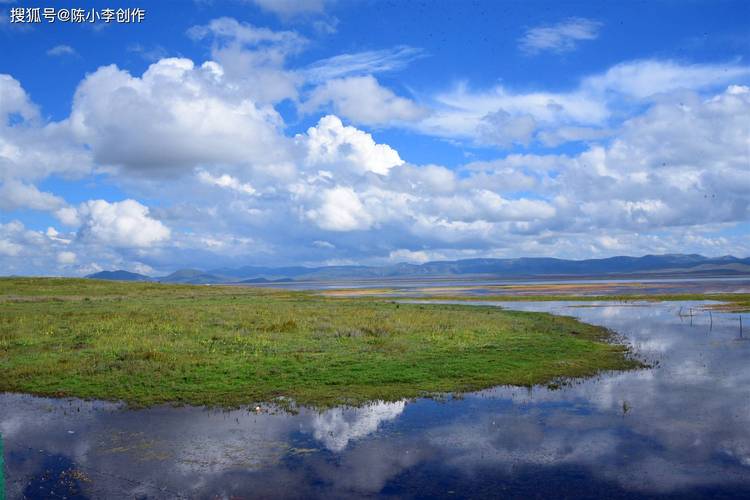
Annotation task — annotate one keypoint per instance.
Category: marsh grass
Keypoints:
(146, 344)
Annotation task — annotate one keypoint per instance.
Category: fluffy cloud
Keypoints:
(176, 116)
(226, 181)
(489, 206)
(9, 248)
(682, 163)
(15, 194)
(332, 144)
(14, 100)
(17, 241)
(31, 149)
(26, 251)
(467, 114)
(363, 100)
(646, 78)
(501, 116)
(341, 210)
(120, 224)
(604, 192)
(254, 58)
(664, 168)
(425, 179)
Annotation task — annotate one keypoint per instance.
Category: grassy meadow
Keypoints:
(147, 343)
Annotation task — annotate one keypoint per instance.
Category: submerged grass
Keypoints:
(146, 344)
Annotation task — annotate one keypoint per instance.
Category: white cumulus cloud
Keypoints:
(121, 224)
(15, 194)
(341, 210)
(331, 143)
(175, 116)
(226, 181)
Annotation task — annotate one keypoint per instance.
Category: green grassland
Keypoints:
(146, 344)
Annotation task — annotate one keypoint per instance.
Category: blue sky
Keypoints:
(328, 132)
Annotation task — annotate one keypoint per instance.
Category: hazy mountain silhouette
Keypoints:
(525, 267)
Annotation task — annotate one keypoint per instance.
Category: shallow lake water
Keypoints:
(679, 429)
(474, 285)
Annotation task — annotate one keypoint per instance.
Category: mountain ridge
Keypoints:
(536, 267)
(119, 275)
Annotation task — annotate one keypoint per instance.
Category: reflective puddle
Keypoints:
(681, 429)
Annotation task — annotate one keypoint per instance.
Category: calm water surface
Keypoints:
(681, 429)
(483, 286)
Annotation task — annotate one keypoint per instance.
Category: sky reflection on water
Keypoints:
(679, 429)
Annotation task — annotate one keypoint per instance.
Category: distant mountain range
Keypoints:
(526, 267)
(119, 275)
